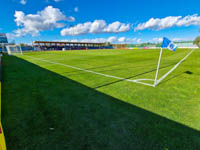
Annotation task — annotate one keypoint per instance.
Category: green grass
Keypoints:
(53, 107)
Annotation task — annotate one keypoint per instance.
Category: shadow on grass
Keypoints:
(43, 110)
(176, 76)
(137, 75)
(188, 72)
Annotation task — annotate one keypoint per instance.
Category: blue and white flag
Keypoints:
(169, 44)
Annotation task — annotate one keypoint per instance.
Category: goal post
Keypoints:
(14, 50)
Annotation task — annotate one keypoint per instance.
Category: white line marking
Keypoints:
(164, 76)
(101, 74)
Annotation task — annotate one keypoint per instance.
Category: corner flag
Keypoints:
(169, 44)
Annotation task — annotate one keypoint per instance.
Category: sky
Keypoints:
(115, 21)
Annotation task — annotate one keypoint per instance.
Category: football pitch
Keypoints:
(83, 100)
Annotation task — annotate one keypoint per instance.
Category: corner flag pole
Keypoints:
(155, 81)
(164, 76)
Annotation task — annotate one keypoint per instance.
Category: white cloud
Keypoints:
(75, 40)
(98, 26)
(160, 39)
(96, 40)
(156, 40)
(122, 39)
(23, 2)
(33, 24)
(139, 40)
(116, 27)
(112, 39)
(182, 39)
(168, 22)
(129, 40)
(76, 9)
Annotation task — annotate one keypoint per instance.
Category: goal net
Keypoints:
(14, 50)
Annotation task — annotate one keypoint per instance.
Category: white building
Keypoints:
(187, 44)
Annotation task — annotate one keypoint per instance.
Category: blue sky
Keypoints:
(117, 21)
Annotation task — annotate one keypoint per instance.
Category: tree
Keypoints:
(107, 43)
(22, 44)
(197, 41)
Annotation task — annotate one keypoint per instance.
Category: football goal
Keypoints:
(14, 50)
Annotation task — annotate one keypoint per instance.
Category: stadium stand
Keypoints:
(3, 41)
(51, 45)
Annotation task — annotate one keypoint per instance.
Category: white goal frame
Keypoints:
(17, 49)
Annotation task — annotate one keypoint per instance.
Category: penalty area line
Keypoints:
(93, 72)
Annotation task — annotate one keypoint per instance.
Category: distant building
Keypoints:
(120, 46)
(3, 41)
(186, 44)
(3, 38)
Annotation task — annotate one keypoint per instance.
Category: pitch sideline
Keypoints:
(98, 73)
